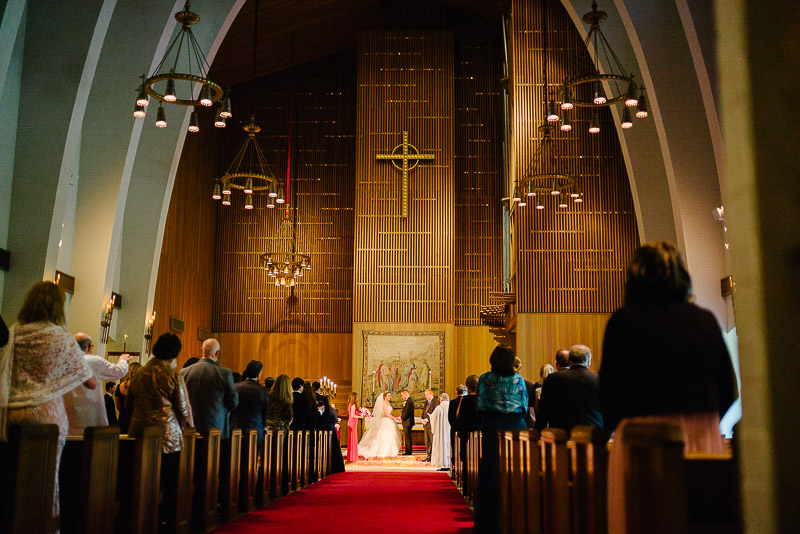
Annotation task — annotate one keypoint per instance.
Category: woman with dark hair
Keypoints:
(502, 404)
(648, 346)
(39, 364)
(279, 411)
(157, 397)
(251, 412)
(652, 340)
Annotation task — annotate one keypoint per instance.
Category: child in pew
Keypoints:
(156, 398)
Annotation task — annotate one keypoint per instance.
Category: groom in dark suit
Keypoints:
(407, 418)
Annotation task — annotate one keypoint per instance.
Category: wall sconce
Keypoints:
(108, 315)
(148, 333)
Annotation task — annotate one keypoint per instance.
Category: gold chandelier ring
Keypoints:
(152, 80)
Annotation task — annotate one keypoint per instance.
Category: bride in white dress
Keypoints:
(382, 438)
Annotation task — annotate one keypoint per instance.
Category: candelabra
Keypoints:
(328, 387)
(108, 315)
(148, 333)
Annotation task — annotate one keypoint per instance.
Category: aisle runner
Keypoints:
(352, 503)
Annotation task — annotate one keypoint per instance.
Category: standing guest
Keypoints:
(452, 417)
(562, 359)
(353, 415)
(190, 362)
(529, 387)
(440, 449)
(156, 398)
(407, 419)
(502, 403)
(427, 410)
(251, 413)
(303, 415)
(211, 391)
(328, 420)
(236, 377)
(571, 397)
(108, 398)
(467, 417)
(648, 345)
(85, 407)
(124, 420)
(279, 411)
(269, 382)
(544, 372)
(39, 364)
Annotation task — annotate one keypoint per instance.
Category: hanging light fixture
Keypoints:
(622, 83)
(169, 76)
(249, 171)
(542, 177)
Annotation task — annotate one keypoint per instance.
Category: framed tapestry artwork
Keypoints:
(394, 361)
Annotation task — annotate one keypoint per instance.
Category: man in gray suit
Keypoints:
(211, 391)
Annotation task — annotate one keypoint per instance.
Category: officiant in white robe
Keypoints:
(440, 426)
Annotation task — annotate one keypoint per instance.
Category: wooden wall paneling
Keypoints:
(568, 260)
(477, 167)
(403, 266)
(473, 345)
(323, 169)
(186, 268)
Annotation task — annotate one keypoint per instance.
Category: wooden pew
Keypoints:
(230, 458)
(519, 487)
(276, 463)
(305, 456)
(88, 481)
(248, 472)
(555, 481)
(456, 463)
(181, 516)
(653, 480)
(27, 479)
(713, 493)
(474, 447)
(265, 470)
(138, 481)
(206, 481)
(589, 480)
(288, 463)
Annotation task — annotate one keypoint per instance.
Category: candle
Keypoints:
(373, 380)
(430, 378)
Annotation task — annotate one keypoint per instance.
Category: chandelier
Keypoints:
(542, 177)
(249, 173)
(284, 263)
(167, 78)
(584, 86)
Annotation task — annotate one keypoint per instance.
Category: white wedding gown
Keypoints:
(382, 438)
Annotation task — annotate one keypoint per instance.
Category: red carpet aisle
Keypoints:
(353, 503)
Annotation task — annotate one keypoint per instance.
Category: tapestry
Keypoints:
(394, 361)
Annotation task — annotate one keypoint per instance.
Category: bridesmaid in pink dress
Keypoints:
(352, 427)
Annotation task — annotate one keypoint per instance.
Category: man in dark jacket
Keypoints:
(211, 391)
(452, 418)
(467, 417)
(571, 397)
(303, 418)
(407, 418)
(251, 413)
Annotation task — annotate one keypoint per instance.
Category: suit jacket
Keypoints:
(251, 413)
(407, 414)
(327, 419)
(451, 414)
(111, 410)
(468, 416)
(304, 417)
(427, 410)
(211, 394)
(570, 397)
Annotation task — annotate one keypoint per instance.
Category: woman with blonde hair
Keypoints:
(39, 364)
(279, 411)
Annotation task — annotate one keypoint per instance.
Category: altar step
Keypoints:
(400, 463)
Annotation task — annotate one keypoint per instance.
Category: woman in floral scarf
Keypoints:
(40, 363)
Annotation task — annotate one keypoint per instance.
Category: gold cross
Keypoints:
(405, 155)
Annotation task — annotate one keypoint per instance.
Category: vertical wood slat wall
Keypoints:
(568, 260)
(186, 266)
(323, 169)
(477, 167)
(403, 266)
